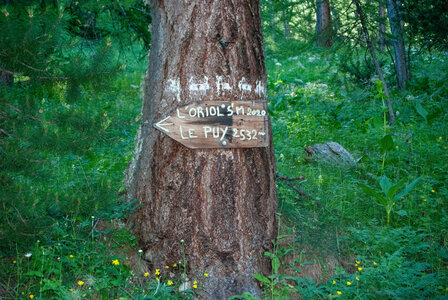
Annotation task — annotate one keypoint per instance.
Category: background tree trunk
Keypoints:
(381, 25)
(362, 18)
(221, 202)
(286, 25)
(323, 24)
(6, 78)
(401, 68)
(272, 19)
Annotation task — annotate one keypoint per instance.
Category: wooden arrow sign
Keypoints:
(218, 124)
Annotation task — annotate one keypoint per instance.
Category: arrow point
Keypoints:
(160, 124)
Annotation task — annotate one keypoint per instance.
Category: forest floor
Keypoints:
(376, 231)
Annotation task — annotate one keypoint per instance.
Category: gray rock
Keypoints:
(330, 152)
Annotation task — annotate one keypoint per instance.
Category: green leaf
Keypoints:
(34, 273)
(407, 189)
(282, 236)
(369, 191)
(261, 278)
(402, 213)
(275, 264)
(386, 143)
(378, 86)
(422, 112)
(50, 285)
(385, 185)
(393, 190)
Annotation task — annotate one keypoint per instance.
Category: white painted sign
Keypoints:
(218, 124)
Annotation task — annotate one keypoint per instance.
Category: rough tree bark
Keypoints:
(221, 202)
(324, 31)
(401, 67)
(381, 25)
(362, 18)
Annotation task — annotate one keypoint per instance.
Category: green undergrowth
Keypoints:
(384, 222)
(62, 164)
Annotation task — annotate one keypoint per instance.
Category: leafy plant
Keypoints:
(390, 193)
(275, 283)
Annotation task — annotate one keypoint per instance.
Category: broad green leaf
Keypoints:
(407, 189)
(385, 185)
(393, 189)
(261, 278)
(386, 143)
(422, 112)
(402, 213)
(34, 273)
(369, 191)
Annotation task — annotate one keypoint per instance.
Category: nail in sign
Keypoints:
(218, 124)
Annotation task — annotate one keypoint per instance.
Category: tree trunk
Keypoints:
(362, 18)
(6, 78)
(381, 26)
(221, 203)
(286, 25)
(401, 68)
(324, 30)
(272, 19)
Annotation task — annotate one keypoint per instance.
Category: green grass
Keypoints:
(312, 101)
(61, 181)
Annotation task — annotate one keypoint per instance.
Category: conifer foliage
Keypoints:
(55, 59)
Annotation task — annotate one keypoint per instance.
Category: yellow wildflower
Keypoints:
(174, 265)
(157, 271)
(349, 283)
(80, 282)
(71, 256)
(357, 262)
(374, 263)
(339, 292)
(357, 278)
(170, 282)
(146, 274)
(167, 267)
(396, 147)
(206, 274)
(195, 286)
(157, 278)
(433, 191)
(71, 290)
(440, 137)
(334, 282)
(13, 261)
(115, 262)
(31, 296)
(359, 268)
